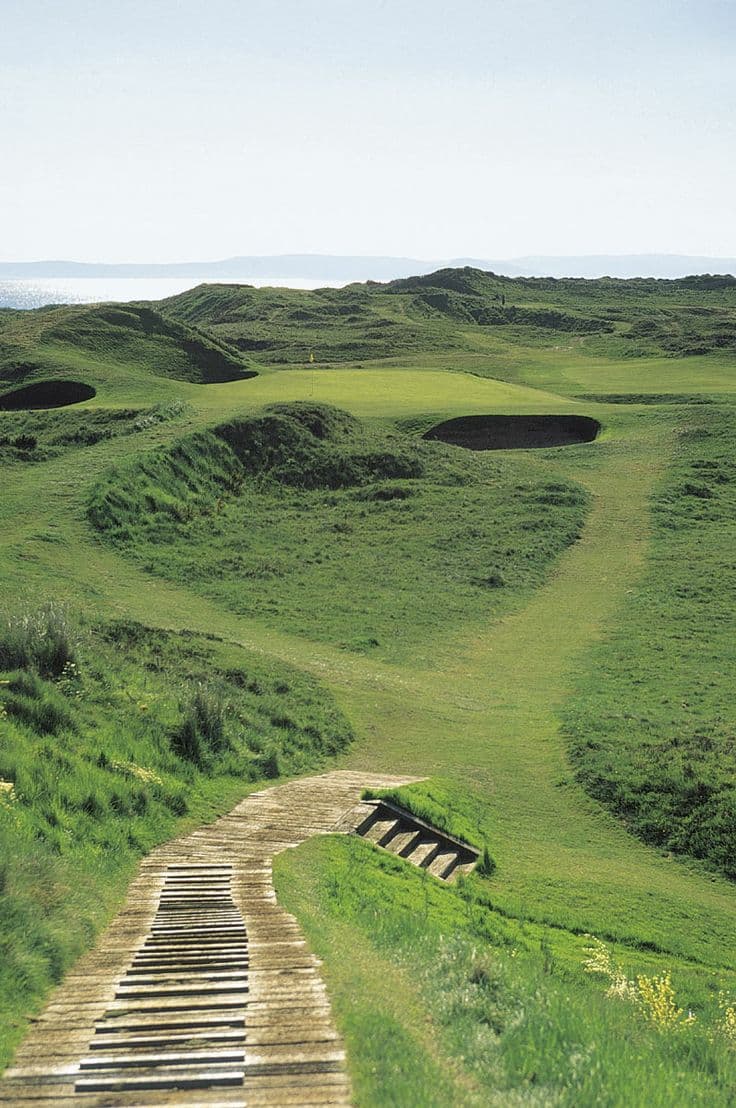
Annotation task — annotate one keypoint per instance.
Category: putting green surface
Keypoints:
(389, 393)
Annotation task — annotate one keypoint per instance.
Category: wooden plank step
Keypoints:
(423, 852)
(403, 842)
(198, 885)
(442, 862)
(163, 1058)
(181, 955)
(464, 868)
(190, 952)
(158, 1022)
(214, 929)
(161, 1038)
(380, 828)
(172, 934)
(198, 867)
(196, 989)
(182, 1003)
(176, 984)
(204, 878)
(193, 937)
(145, 1082)
(261, 1069)
(145, 966)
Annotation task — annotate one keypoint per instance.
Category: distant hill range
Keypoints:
(329, 267)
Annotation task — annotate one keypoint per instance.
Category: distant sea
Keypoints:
(35, 292)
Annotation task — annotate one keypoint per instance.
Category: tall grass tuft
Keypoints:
(41, 640)
(201, 732)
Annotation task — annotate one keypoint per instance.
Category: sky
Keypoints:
(171, 130)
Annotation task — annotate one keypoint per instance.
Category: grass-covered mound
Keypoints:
(287, 325)
(652, 730)
(442, 999)
(318, 524)
(115, 737)
(49, 342)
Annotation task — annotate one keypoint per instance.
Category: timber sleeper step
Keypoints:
(397, 830)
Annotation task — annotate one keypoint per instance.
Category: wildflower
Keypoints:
(130, 769)
(7, 792)
(601, 962)
(657, 999)
(725, 1025)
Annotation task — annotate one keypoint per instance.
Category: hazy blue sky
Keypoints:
(155, 130)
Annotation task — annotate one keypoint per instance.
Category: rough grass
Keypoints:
(652, 729)
(44, 344)
(93, 772)
(42, 641)
(443, 1001)
(39, 436)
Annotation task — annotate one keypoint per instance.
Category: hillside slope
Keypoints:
(52, 342)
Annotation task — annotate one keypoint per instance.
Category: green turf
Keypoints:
(483, 702)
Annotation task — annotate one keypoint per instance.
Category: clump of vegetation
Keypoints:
(486, 866)
(201, 732)
(654, 996)
(41, 640)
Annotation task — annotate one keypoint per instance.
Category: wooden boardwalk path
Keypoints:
(202, 991)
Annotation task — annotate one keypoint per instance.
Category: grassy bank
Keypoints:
(651, 729)
(115, 737)
(443, 1001)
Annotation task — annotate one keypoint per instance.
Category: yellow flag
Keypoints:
(311, 357)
